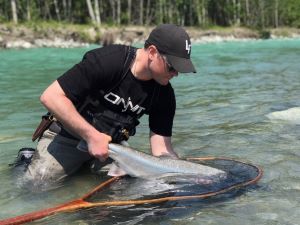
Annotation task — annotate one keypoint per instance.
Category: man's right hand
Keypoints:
(55, 100)
(98, 145)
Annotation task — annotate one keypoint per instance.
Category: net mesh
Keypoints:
(238, 174)
(132, 191)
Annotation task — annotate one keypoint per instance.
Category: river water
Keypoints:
(221, 111)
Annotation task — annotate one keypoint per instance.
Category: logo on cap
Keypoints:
(187, 46)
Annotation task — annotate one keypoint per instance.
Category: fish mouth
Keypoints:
(112, 149)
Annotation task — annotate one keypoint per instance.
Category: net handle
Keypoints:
(81, 203)
(65, 207)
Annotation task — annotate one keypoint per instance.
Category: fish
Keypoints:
(139, 164)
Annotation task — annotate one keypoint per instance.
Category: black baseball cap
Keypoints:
(173, 41)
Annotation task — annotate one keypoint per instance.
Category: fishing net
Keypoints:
(124, 191)
(178, 187)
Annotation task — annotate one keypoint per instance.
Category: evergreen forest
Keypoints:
(257, 14)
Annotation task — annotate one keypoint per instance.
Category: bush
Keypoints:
(265, 34)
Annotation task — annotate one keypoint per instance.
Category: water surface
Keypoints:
(221, 111)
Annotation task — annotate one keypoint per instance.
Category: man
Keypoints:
(101, 98)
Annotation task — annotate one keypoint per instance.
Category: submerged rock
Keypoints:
(291, 115)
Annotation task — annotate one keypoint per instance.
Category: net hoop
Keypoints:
(82, 204)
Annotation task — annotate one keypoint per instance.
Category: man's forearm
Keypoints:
(55, 100)
(161, 145)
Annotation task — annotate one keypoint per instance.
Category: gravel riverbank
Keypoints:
(67, 36)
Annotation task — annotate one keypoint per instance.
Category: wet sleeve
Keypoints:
(162, 114)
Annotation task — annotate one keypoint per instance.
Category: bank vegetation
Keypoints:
(97, 21)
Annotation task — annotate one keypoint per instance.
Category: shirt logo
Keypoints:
(117, 100)
(187, 46)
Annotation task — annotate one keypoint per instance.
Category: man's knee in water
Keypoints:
(24, 157)
(32, 170)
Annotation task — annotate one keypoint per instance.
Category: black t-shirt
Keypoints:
(102, 69)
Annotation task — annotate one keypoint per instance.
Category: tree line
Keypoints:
(203, 13)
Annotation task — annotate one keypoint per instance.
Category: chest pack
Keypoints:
(120, 126)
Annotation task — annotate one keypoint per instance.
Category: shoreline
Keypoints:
(70, 36)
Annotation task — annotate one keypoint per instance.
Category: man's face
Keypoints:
(161, 70)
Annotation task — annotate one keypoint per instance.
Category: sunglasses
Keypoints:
(170, 68)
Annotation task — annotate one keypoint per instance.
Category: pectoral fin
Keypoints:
(115, 170)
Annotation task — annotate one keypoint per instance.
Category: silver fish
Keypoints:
(139, 164)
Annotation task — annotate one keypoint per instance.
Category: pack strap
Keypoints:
(131, 53)
(130, 56)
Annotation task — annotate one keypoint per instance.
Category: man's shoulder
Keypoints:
(167, 88)
(109, 50)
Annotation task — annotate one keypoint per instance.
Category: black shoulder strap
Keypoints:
(126, 67)
(130, 56)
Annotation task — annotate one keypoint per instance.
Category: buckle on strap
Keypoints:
(125, 132)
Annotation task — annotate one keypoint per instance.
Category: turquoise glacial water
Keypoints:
(221, 111)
